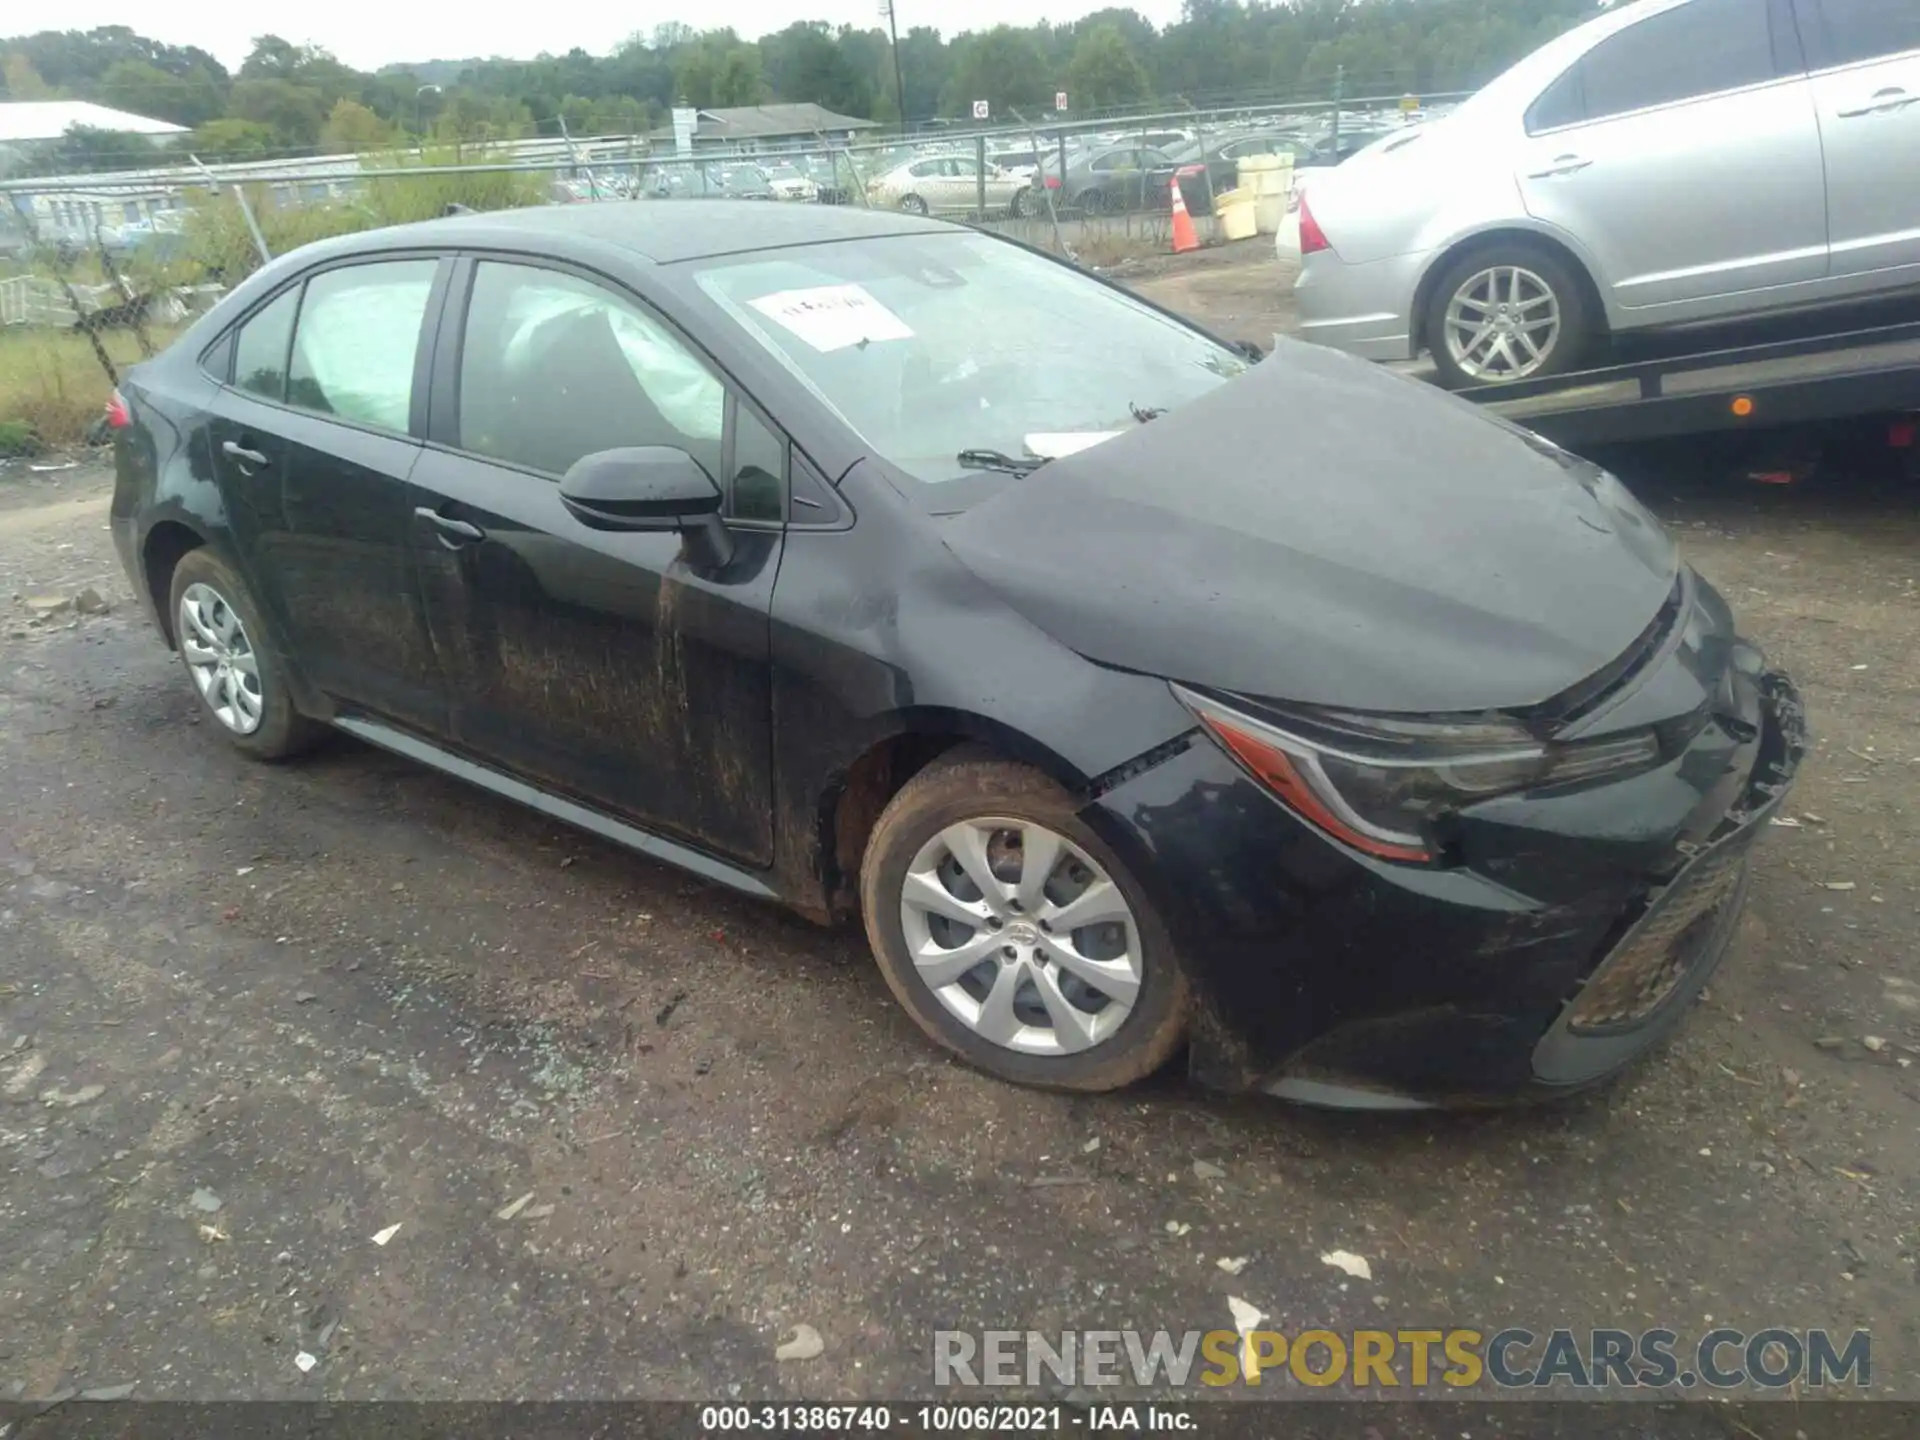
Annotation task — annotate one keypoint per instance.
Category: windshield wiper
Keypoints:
(1144, 413)
(1001, 461)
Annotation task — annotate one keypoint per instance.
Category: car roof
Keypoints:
(661, 231)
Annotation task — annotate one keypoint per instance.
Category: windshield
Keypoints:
(927, 345)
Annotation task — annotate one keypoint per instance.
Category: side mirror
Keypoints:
(648, 488)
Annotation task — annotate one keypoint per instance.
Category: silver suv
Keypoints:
(1670, 161)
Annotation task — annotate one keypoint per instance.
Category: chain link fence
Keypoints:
(100, 271)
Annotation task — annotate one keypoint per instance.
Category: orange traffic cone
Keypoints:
(1184, 238)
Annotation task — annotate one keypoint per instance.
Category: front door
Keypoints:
(610, 667)
(1684, 152)
(1866, 87)
(313, 444)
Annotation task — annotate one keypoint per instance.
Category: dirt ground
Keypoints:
(252, 1018)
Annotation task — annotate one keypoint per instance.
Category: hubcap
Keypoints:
(1022, 936)
(1502, 324)
(221, 658)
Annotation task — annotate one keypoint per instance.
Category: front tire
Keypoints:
(232, 660)
(913, 205)
(1014, 936)
(1507, 312)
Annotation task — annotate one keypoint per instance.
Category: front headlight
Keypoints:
(1379, 783)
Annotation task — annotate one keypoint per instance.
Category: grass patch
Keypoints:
(51, 384)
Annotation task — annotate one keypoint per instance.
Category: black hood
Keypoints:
(1323, 531)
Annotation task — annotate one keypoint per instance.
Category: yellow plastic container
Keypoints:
(1239, 215)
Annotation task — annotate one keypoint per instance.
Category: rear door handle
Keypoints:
(1891, 98)
(234, 450)
(1562, 165)
(453, 533)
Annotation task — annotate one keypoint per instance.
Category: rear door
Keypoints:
(611, 667)
(315, 442)
(1866, 88)
(1683, 152)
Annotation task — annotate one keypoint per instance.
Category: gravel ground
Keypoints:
(621, 1131)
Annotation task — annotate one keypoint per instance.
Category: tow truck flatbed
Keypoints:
(1786, 382)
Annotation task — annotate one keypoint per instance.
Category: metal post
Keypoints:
(246, 210)
(899, 74)
(574, 155)
(1339, 85)
(1206, 168)
(1040, 179)
(980, 175)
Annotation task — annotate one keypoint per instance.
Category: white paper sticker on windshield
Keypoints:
(1059, 446)
(832, 317)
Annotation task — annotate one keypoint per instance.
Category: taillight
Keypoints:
(118, 416)
(1053, 182)
(1312, 237)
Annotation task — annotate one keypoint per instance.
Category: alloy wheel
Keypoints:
(1502, 324)
(1021, 935)
(221, 658)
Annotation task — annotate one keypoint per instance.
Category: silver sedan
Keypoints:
(1669, 162)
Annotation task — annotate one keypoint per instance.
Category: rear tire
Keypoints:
(1086, 1006)
(1495, 306)
(233, 660)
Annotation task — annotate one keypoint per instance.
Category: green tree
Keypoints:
(353, 129)
(719, 71)
(1004, 67)
(85, 150)
(146, 89)
(23, 81)
(1105, 73)
(805, 62)
(293, 112)
(230, 139)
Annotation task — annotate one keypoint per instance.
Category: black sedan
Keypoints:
(1134, 695)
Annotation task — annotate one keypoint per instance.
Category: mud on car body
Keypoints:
(1390, 757)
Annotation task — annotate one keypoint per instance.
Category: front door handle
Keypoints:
(453, 533)
(1891, 98)
(234, 450)
(1562, 165)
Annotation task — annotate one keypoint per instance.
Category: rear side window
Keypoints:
(553, 367)
(1701, 48)
(1842, 32)
(354, 349)
(260, 349)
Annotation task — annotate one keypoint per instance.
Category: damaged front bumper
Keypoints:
(1570, 940)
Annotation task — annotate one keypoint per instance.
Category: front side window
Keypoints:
(260, 349)
(553, 367)
(759, 481)
(1847, 31)
(354, 348)
(928, 345)
(1700, 48)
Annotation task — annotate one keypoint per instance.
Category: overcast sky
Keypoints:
(370, 33)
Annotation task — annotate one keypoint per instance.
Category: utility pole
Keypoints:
(899, 82)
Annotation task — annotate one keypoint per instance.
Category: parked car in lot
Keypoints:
(1211, 166)
(1378, 752)
(946, 185)
(1112, 179)
(1669, 162)
(788, 182)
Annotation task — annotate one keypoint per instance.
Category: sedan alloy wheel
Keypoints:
(1502, 324)
(220, 657)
